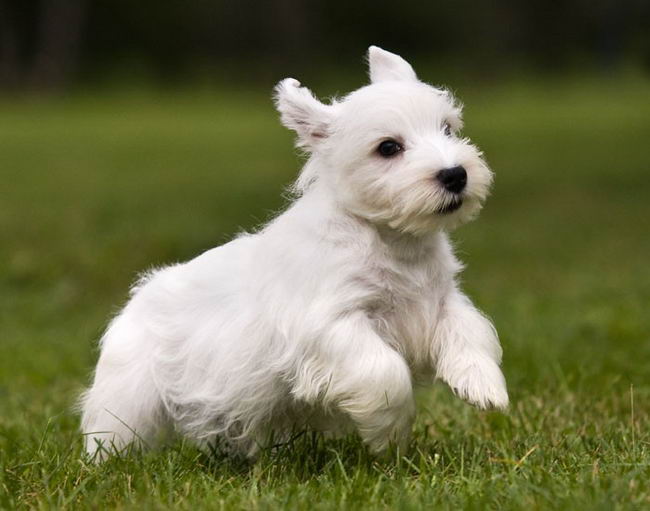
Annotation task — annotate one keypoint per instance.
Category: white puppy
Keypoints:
(323, 318)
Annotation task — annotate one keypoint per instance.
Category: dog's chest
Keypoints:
(404, 307)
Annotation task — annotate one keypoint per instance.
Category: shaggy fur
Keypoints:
(325, 317)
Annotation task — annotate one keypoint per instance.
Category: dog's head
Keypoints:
(391, 151)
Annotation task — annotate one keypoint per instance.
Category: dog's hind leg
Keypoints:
(123, 406)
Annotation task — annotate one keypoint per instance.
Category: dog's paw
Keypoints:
(483, 385)
(392, 433)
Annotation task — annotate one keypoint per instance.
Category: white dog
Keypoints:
(325, 317)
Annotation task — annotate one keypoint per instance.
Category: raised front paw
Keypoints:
(480, 383)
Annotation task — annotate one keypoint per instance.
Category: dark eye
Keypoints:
(389, 148)
(447, 127)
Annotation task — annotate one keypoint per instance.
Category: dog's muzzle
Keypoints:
(452, 206)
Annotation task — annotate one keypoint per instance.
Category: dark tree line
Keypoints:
(40, 42)
(51, 43)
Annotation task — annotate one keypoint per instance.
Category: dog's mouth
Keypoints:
(456, 203)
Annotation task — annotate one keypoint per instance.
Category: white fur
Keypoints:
(325, 317)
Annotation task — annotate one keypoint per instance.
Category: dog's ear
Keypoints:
(301, 112)
(386, 66)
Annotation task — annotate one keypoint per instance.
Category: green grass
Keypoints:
(97, 188)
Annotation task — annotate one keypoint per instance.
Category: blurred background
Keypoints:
(136, 134)
(60, 44)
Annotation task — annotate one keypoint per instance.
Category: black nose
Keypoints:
(453, 179)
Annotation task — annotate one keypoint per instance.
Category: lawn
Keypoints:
(98, 187)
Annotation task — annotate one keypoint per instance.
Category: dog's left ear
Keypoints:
(301, 112)
(385, 66)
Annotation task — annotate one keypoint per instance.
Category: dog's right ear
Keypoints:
(301, 112)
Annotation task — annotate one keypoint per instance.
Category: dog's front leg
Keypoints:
(351, 368)
(466, 353)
